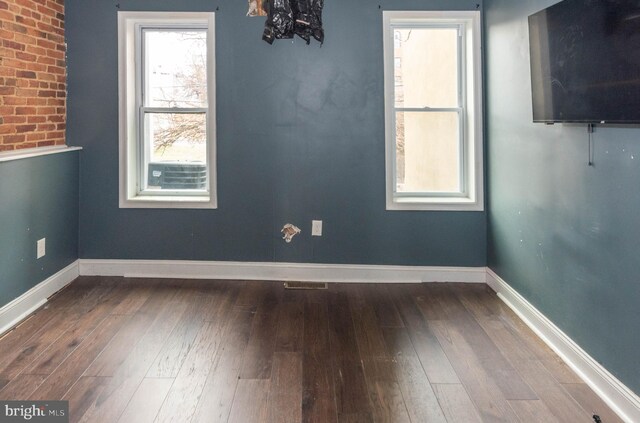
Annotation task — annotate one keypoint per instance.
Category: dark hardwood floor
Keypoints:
(133, 350)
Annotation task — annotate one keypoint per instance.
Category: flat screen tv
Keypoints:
(585, 62)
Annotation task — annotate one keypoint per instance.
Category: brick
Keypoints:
(26, 92)
(26, 3)
(32, 73)
(46, 127)
(25, 128)
(26, 145)
(36, 67)
(36, 119)
(26, 56)
(46, 110)
(14, 45)
(13, 139)
(25, 110)
(5, 34)
(36, 101)
(26, 39)
(55, 69)
(25, 21)
(36, 136)
(17, 29)
(25, 74)
(15, 119)
(14, 101)
(4, 71)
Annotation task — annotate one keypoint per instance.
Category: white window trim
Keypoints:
(128, 139)
(473, 139)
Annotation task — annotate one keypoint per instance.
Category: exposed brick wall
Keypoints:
(32, 74)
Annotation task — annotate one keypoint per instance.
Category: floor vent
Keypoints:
(305, 285)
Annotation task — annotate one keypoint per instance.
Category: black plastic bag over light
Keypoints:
(286, 18)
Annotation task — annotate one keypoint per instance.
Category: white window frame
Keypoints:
(129, 81)
(472, 196)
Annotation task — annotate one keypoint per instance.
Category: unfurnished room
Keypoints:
(321, 211)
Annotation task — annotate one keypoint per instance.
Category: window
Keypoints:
(433, 116)
(167, 110)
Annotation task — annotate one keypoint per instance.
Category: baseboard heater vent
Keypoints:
(305, 285)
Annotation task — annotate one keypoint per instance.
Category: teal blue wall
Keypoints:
(300, 137)
(38, 199)
(563, 234)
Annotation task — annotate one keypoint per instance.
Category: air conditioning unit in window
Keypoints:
(176, 175)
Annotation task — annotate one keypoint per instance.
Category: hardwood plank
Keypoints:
(127, 377)
(146, 401)
(489, 356)
(532, 411)
(348, 375)
(434, 361)
(262, 342)
(129, 336)
(136, 297)
(385, 397)
(482, 389)
(561, 372)
(387, 403)
(14, 362)
(426, 300)
(590, 402)
(21, 387)
(456, 404)
(420, 399)
(557, 400)
(184, 335)
(251, 401)
(361, 417)
(64, 376)
(507, 340)
(285, 394)
(69, 341)
(318, 403)
(251, 295)
(83, 393)
(290, 327)
(187, 388)
(220, 386)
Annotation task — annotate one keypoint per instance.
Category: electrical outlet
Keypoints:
(316, 228)
(42, 247)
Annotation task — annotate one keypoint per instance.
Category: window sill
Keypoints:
(169, 202)
(434, 204)
(35, 152)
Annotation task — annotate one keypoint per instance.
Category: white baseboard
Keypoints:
(617, 396)
(281, 271)
(12, 313)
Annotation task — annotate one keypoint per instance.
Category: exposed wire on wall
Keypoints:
(590, 127)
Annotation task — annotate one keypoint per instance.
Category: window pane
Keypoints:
(175, 68)
(176, 150)
(426, 67)
(427, 152)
